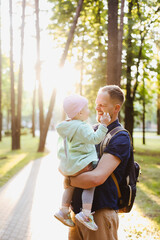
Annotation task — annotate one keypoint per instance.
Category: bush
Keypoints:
(24, 131)
(7, 133)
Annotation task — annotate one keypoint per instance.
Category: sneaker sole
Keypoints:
(62, 221)
(81, 221)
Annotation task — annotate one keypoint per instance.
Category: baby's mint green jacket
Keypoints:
(76, 145)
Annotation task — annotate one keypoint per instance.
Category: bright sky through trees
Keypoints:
(51, 76)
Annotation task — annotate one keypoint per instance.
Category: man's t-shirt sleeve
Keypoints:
(119, 146)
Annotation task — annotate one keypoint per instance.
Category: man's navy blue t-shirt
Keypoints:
(106, 195)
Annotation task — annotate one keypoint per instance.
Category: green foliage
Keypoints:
(63, 13)
(5, 83)
(24, 131)
(138, 55)
(97, 80)
(89, 46)
(147, 93)
(6, 92)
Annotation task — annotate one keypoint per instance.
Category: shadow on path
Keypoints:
(17, 225)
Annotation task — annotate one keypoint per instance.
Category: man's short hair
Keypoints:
(115, 93)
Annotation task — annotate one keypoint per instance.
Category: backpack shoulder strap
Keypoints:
(115, 130)
(117, 185)
(108, 137)
(105, 142)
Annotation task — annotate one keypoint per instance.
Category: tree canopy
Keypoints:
(90, 46)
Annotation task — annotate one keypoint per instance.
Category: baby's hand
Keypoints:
(105, 119)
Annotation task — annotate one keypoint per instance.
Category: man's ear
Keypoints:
(117, 108)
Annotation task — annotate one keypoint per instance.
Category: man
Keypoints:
(114, 159)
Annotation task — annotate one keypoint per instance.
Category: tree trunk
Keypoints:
(8, 119)
(71, 33)
(13, 120)
(81, 73)
(120, 40)
(144, 111)
(33, 111)
(20, 80)
(38, 70)
(131, 90)
(129, 118)
(82, 68)
(47, 122)
(158, 116)
(112, 76)
(0, 81)
(62, 62)
(158, 106)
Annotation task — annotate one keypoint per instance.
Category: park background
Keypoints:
(49, 49)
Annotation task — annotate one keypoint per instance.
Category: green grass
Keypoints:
(13, 161)
(152, 146)
(148, 194)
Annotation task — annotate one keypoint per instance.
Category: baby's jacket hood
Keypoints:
(68, 128)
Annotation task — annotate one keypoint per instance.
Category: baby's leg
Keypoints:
(66, 199)
(63, 214)
(87, 199)
(86, 217)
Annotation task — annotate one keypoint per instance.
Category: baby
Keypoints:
(77, 154)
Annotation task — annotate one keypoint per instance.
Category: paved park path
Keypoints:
(29, 199)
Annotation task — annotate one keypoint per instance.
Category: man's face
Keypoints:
(104, 105)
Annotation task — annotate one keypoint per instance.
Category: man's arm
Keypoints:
(107, 164)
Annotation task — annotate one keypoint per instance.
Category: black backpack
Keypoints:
(127, 187)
